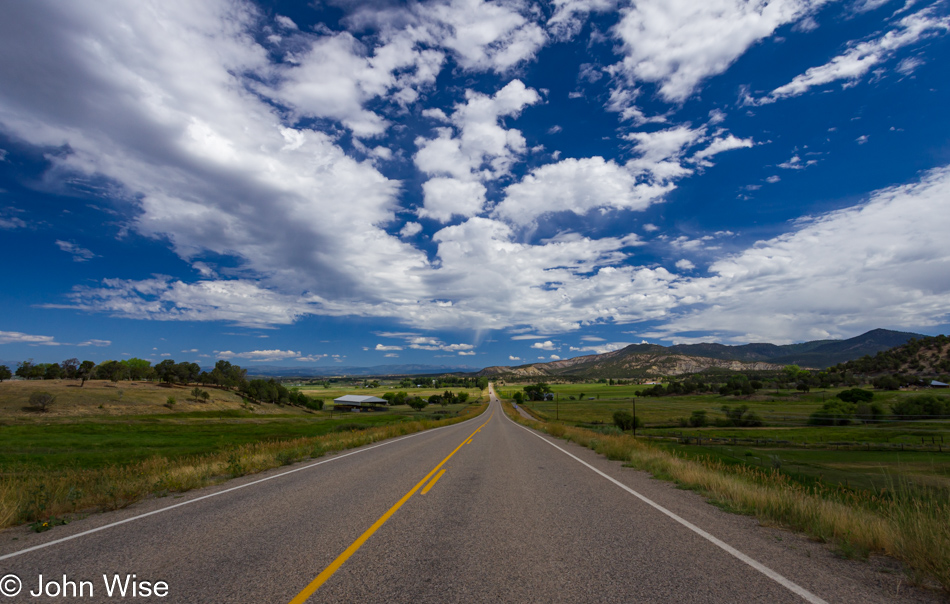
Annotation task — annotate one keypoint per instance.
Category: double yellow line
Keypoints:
(336, 564)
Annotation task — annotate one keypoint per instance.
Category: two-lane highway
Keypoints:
(485, 510)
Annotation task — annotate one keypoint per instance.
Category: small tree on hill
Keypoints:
(5, 373)
(41, 401)
(84, 372)
(196, 393)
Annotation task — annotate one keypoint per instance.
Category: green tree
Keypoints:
(791, 373)
(741, 417)
(5, 373)
(165, 372)
(626, 421)
(139, 369)
(417, 403)
(196, 393)
(25, 369)
(52, 371)
(85, 371)
(187, 372)
(112, 371)
(869, 413)
(922, 406)
(536, 392)
(228, 375)
(698, 419)
(833, 413)
(856, 395)
(70, 367)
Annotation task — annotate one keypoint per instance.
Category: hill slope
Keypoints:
(923, 356)
(639, 360)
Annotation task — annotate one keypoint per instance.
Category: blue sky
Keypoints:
(461, 182)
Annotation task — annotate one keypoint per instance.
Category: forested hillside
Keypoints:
(925, 356)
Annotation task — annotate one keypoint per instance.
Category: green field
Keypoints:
(865, 456)
(94, 443)
(101, 424)
(785, 413)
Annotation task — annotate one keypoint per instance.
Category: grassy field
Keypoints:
(94, 426)
(104, 445)
(785, 413)
(861, 456)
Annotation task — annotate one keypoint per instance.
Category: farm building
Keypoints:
(353, 402)
(936, 384)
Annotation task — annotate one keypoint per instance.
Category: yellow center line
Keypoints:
(433, 481)
(352, 549)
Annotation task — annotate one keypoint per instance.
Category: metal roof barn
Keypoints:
(355, 401)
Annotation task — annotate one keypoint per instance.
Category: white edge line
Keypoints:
(768, 572)
(241, 486)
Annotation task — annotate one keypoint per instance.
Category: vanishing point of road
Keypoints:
(482, 511)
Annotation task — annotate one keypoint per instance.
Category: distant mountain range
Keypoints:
(292, 371)
(817, 354)
(640, 359)
(653, 359)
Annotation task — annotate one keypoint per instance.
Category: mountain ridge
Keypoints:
(639, 360)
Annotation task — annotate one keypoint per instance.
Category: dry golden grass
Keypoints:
(102, 398)
(34, 496)
(913, 526)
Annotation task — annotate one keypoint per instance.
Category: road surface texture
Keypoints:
(511, 519)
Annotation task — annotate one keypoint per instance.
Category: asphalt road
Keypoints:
(514, 517)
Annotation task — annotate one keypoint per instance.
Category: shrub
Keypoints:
(736, 385)
(922, 406)
(887, 382)
(833, 413)
(313, 403)
(417, 403)
(41, 401)
(741, 417)
(626, 420)
(869, 413)
(698, 419)
(856, 395)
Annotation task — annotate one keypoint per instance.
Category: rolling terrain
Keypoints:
(643, 360)
(484, 510)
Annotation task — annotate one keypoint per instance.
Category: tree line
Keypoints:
(168, 371)
(224, 375)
